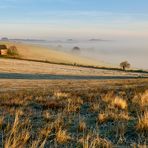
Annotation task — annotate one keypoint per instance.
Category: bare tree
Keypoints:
(124, 65)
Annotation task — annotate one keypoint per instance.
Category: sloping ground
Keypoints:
(42, 53)
(8, 66)
(69, 85)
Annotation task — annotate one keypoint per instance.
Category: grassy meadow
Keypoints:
(41, 53)
(85, 114)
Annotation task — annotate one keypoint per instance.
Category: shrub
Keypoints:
(12, 50)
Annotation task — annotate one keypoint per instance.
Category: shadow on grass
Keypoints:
(59, 77)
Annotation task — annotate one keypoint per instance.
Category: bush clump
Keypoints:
(12, 51)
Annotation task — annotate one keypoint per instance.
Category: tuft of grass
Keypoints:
(46, 115)
(141, 99)
(59, 122)
(142, 124)
(61, 95)
(144, 99)
(74, 104)
(62, 136)
(1, 121)
(46, 131)
(112, 116)
(107, 97)
(91, 141)
(119, 103)
(18, 134)
(94, 107)
(82, 126)
(102, 117)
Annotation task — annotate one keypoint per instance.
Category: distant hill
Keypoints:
(97, 40)
(28, 40)
(4, 39)
(34, 52)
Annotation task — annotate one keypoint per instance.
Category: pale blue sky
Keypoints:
(74, 18)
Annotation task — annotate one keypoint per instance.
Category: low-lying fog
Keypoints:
(110, 51)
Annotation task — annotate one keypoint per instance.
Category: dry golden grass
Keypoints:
(18, 134)
(107, 97)
(142, 124)
(119, 103)
(46, 131)
(82, 126)
(74, 104)
(92, 141)
(102, 117)
(111, 116)
(141, 99)
(61, 95)
(1, 122)
(35, 52)
(38, 143)
(46, 115)
(62, 136)
(74, 116)
(94, 107)
(59, 122)
(144, 99)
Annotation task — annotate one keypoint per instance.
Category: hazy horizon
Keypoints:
(67, 18)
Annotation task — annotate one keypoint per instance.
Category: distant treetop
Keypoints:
(76, 48)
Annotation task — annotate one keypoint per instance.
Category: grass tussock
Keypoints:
(61, 95)
(18, 134)
(82, 126)
(119, 103)
(111, 116)
(74, 104)
(141, 99)
(94, 107)
(142, 124)
(92, 140)
(62, 136)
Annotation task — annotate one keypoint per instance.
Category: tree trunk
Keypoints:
(124, 68)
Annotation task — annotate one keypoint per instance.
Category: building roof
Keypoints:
(3, 47)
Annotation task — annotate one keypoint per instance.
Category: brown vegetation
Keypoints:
(13, 51)
(75, 117)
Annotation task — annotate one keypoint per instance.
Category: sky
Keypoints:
(44, 19)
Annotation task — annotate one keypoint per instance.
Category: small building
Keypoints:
(3, 50)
